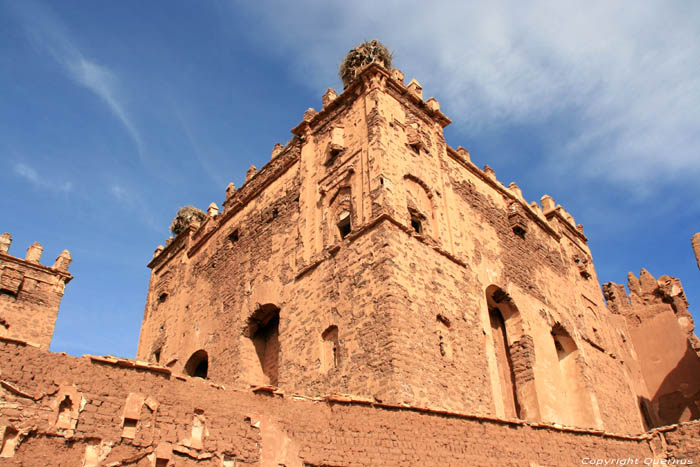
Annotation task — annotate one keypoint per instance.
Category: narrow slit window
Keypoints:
(233, 237)
(330, 351)
(417, 225)
(344, 224)
(417, 220)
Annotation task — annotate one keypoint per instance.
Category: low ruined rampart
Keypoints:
(62, 410)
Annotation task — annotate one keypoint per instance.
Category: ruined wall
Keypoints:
(670, 392)
(30, 293)
(61, 410)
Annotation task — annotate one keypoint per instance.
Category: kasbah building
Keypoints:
(368, 297)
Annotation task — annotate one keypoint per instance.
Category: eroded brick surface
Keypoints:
(190, 421)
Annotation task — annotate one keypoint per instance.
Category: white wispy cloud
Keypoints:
(623, 73)
(133, 202)
(49, 34)
(30, 174)
(207, 166)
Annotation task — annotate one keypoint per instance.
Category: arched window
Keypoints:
(419, 202)
(576, 409)
(342, 212)
(263, 330)
(514, 357)
(198, 365)
(504, 362)
(330, 353)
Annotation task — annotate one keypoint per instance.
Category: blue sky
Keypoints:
(114, 114)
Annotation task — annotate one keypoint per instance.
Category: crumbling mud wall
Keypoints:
(30, 293)
(653, 310)
(61, 410)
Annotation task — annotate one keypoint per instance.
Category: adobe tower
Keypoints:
(370, 258)
(30, 293)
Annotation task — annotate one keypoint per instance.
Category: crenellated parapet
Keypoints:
(30, 292)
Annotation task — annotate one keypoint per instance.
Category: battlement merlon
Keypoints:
(552, 218)
(33, 257)
(371, 77)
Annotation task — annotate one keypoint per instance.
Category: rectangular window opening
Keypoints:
(233, 236)
(344, 226)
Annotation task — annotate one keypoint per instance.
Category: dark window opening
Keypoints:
(331, 356)
(65, 405)
(415, 147)
(561, 353)
(333, 154)
(263, 330)
(233, 236)
(417, 221)
(130, 423)
(198, 365)
(156, 356)
(417, 226)
(163, 297)
(274, 213)
(519, 231)
(162, 462)
(344, 226)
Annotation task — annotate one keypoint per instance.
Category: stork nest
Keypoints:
(186, 216)
(361, 56)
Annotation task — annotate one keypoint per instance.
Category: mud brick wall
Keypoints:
(61, 410)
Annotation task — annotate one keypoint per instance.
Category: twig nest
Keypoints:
(361, 56)
(186, 216)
